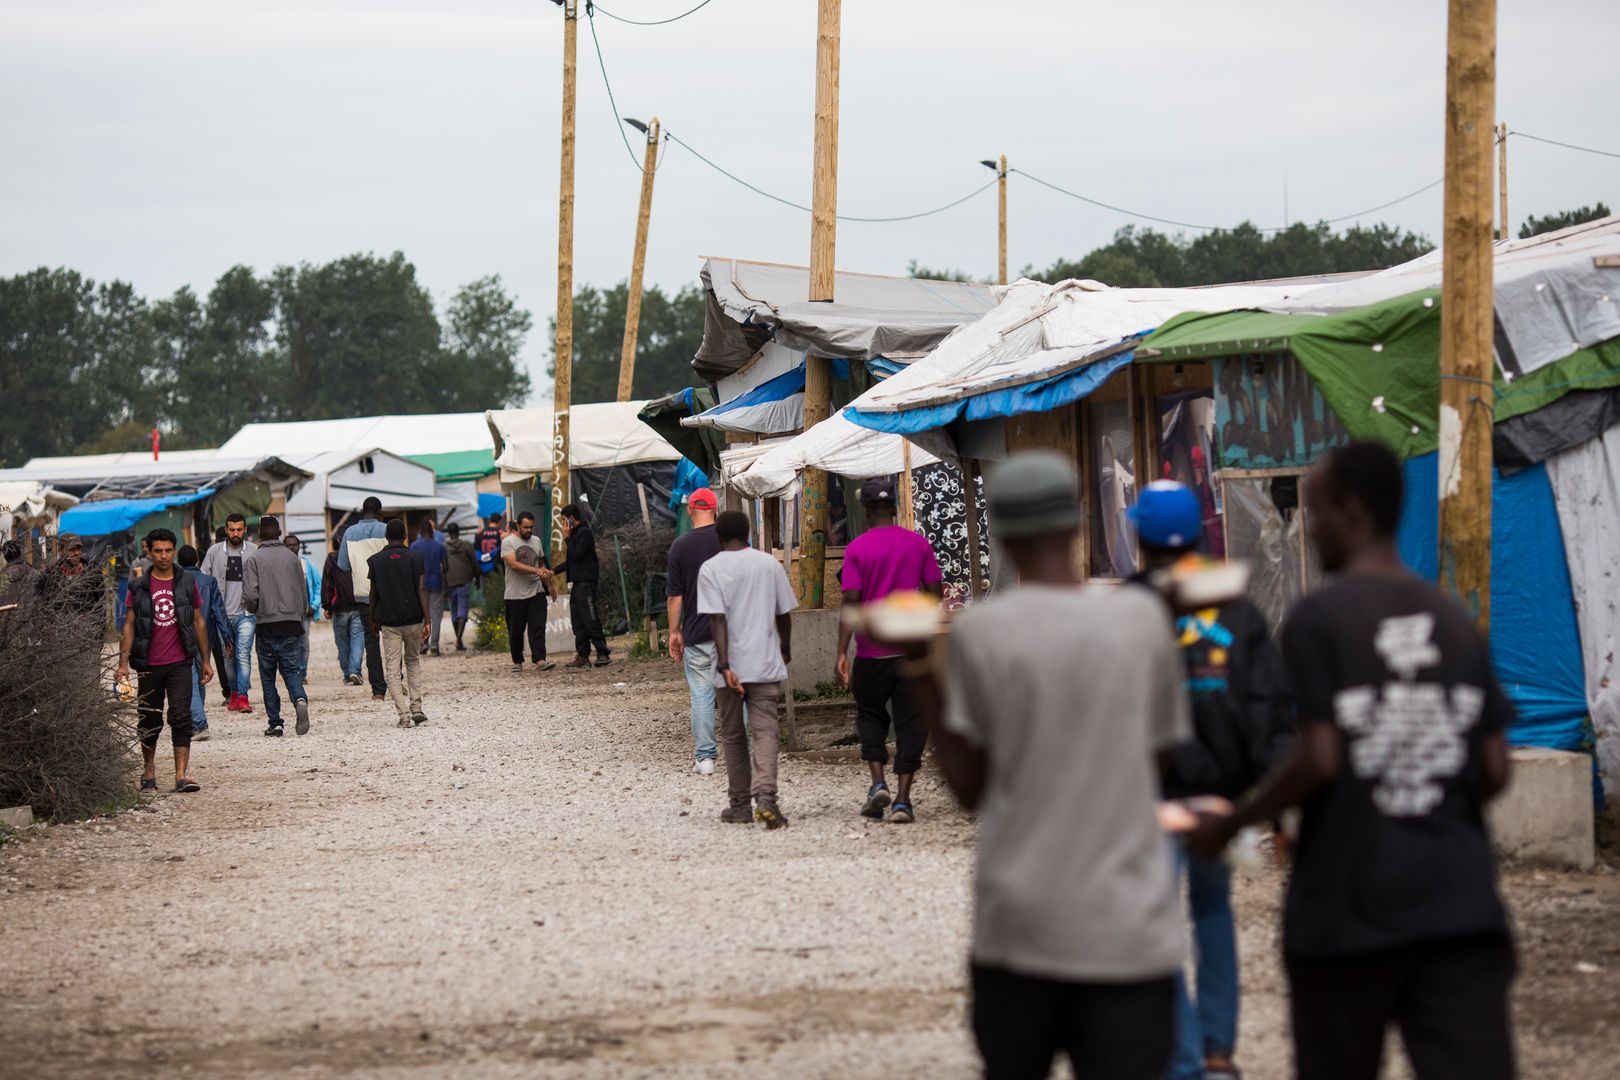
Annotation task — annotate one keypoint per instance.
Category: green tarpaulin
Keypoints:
(459, 464)
(1378, 367)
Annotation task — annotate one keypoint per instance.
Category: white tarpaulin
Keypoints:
(600, 434)
(24, 503)
(436, 433)
(835, 445)
(1586, 488)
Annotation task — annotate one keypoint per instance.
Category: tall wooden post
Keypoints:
(823, 239)
(638, 264)
(1502, 226)
(1467, 391)
(564, 380)
(1001, 197)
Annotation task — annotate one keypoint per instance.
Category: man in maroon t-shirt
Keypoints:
(165, 630)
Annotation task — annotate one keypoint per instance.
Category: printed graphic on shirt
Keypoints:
(162, 609)
(1206, 647)
(1407, 734)
(233, 567)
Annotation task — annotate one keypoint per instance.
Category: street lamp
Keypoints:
(1000, 169)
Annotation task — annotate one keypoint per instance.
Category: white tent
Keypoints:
(600, 435)
(28, 504)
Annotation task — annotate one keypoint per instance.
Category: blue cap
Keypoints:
(1167, 515)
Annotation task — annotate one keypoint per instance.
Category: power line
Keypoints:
(618, 122)
(647, 22)
(1220, 228)
(1565, 145)
(800, 206)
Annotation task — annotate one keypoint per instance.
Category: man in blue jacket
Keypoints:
(219, 636)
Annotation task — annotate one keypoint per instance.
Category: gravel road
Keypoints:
(535, 884)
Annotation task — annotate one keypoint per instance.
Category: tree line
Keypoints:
(92, 367)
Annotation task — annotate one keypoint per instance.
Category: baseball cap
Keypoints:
(68, 540)
(1032, 494)
(702, 499)
(877, 491)
(1167, 515)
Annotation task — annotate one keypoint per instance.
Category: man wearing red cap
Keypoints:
(690, 640)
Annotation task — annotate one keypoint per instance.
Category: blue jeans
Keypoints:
(280, 654)
(1210, 1025)
(458, 596)
(242, 633)
(350, 633)
(699, 664)
(199, 715)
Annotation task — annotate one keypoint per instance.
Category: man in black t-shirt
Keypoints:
(690, 641)
(399, 613)
(1392, 912)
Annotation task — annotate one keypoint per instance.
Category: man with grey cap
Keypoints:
(1048, 710)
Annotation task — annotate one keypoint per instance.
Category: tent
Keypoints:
(26, 505)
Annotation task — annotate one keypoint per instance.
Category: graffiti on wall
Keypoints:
(1269, 413)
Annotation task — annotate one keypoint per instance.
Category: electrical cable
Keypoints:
(618, 122)
(648, 22)
(1565, 145)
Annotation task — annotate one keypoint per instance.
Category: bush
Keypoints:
(644, 551)
(66, 741)
(490, 632)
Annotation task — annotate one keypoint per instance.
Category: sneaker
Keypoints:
(301, 707)
(902, 814)
(1221, 1067)
(736, 815)
(378, 697)
(434, 651)
(543, 665)
(603, 661)
(877, 801)
(200, 736)
(703, 766)
(418, 719)
(273, 731)
(578, 662)
(403, 722)
(235, 704)
(766, 810)
(460, 647)
(355, 680)
(246, 705)
(517, 669)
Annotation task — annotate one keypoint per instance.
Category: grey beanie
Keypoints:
(1033, 493)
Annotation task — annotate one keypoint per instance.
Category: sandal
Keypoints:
(186, 785)
(148, 783)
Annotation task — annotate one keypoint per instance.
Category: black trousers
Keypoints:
(222, 671)
(1449, 998)
(582, 613)
(527, 615)
(374, 664)
(172, 681)
(880, 690)
(1123, 1031)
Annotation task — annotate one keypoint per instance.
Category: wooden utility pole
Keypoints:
(564, 380)
(1001, 197)
(638, 264)
(823, 240)
(1467, 389)
(1501, 181)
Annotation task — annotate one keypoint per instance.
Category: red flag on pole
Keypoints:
(154, 444)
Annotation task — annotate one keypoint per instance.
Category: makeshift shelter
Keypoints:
(454, 445)
(622, 467)
(31, 509)
(342, 480)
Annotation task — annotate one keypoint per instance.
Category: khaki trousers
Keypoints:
(402, 667)
(750, 762)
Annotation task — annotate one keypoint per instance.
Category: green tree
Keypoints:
(480, 365)
(670, 332)
(916, 270)
(1535, 226)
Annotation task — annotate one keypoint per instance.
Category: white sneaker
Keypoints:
(703, 766)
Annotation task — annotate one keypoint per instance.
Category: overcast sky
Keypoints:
(164, 141)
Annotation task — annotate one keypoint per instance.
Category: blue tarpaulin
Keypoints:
(103, 517)
(1043, 396)
(1535, 642)
(491, 503)
(689, 476)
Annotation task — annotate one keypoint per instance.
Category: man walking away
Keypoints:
(224, 672)
(747, 597)
(690, 642)
(399, 608)
(524, 556)
(1057, 700)
(1242, 727)
(348, 620)
(312, 580)
(435, 560)
(217, 637)
(276, 592)
(1392, 914)
(487, 541)
(460, 571)
(364, 539)
(163, 634)
(882, 560)
(226, 562)
(582, 569)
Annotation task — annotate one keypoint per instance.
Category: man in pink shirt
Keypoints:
(882, 560)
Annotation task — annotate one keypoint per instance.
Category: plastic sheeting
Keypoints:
(834, 445)
(773, 407)
(104, 517)
(1586, 489)
(432, 433)
(600, 434)
(1535, 644)
(1256, 529)
(614, 494)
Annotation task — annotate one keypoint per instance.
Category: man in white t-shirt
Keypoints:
(747, 597)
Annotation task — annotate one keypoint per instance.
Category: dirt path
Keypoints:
(534, 884)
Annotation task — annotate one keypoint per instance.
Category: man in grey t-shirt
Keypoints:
(226, 562)
(527, 590)
(1057, 698)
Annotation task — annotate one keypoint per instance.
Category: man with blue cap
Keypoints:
(1241, 728)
